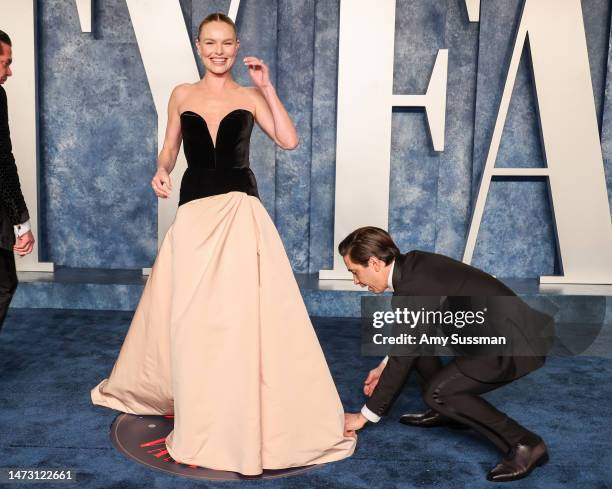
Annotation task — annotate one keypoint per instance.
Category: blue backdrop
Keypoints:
(99, 137)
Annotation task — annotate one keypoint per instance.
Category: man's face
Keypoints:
(373, 276)
(6, 58)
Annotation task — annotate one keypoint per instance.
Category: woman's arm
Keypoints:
(270, 113)
(166, 160)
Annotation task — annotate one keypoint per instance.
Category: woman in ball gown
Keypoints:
(221, 337)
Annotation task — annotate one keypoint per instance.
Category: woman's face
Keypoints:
(217, 46)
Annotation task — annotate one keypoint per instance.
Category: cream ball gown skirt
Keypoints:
(222, 340)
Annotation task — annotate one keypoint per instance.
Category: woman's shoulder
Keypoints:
(186, 85)
(252, 92)
(182, 91)
(253, 95)
(246, 97)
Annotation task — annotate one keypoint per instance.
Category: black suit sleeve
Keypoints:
(11, 198)
(403, 358)
(390, 384)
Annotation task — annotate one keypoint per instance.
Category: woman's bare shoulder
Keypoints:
(251, 92)
(183, 90)
(253, 95)
(247, 97)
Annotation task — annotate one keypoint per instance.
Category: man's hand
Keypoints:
(24, 244)
(353, 422)
(372, 380)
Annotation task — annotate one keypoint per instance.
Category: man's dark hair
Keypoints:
(4, 38)
(369, 241)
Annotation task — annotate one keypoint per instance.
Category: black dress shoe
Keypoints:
(525, 456)
(430, 419)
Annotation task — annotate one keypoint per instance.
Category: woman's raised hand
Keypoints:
(161, 183)
(260, 74)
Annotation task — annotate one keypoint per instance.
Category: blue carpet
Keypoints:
(50, 359)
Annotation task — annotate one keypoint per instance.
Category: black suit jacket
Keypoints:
(13, 209)
(421, 273)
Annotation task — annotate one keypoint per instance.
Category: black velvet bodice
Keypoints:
(221, 166)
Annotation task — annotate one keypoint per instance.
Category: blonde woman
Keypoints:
(221, 337)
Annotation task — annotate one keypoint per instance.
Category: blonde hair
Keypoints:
(217, 17)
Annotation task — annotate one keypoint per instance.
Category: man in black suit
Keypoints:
(451, 391)
(15, 234)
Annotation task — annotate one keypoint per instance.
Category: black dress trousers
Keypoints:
(8, 281)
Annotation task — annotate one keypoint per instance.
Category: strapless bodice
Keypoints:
(217, 167)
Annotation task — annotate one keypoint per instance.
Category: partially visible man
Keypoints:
(15, 233)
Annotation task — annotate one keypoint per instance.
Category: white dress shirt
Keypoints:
(21, 229)
(367, 413)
